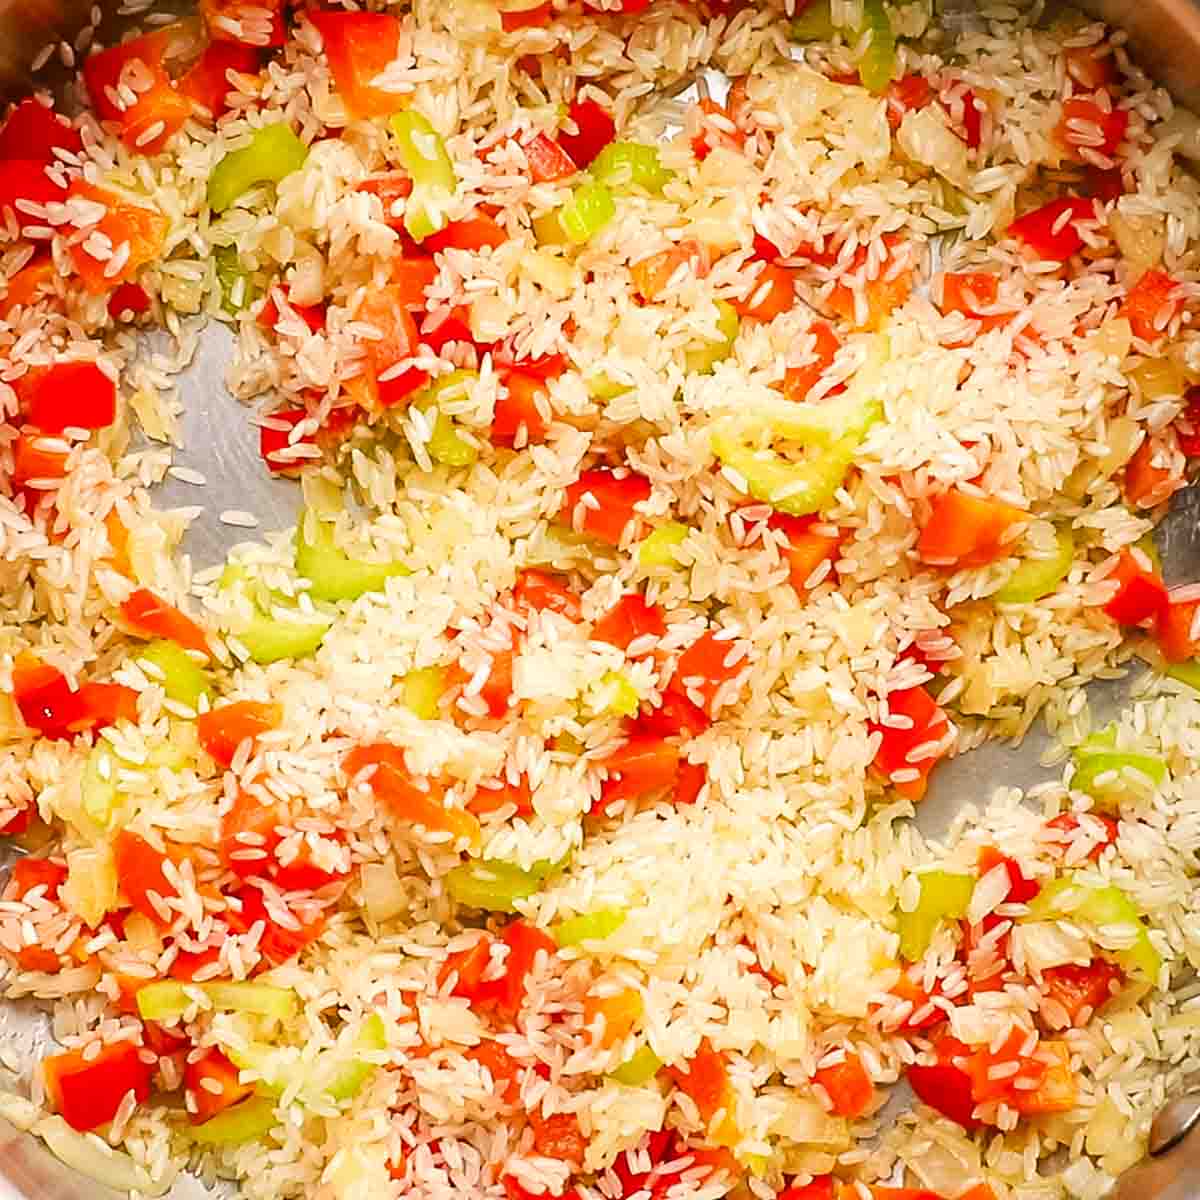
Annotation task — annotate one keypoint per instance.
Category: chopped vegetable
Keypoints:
(151, 617)
(332, 574)
(595, 129)
(541, 591)
(212, 1084)
(621, 165)
(945, 1086)
(848, 1086)
(245, 1122)
(628, 620)
(68, 395)
(592, 926)
(206, 82)
(1083, 118)
(772, 292)
(814, 22)
(1141, 594)
(1101, 772)
(423, 155)
(386, 309)
(88, 1090)
(223, 729)
(878, 61)
(589, 209)
(423, 690)
(639, 1068)
(1037, 577)
(1081, 989)
(944, 896)
(49, 705)
(157, 110)
(1150, 305)
(492, 885)
(174, 669)
(125, 221)
(658, 548)
(705, 1078)
(33, 131)
(548, 161)
(167, 1001)
(701, 358)
(446, 444)
(612, 1015)
(274, 153)
(518, 416)
(603, 502)
(359, 46)
(1050, 231)
(806, 548)
(23, 179)
(965, 530)
(706, 669)
(476, 232)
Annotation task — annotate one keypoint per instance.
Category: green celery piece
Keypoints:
(592, 926)
(166, 1000)
(1038, 577)
(814, 22)
(878, 63)
(423, 155)
(601, 387)
(657, 549)
(183, 678)
(624, 700)
(1091, 764)
(422, 689)
(274, 152)
(244, 1122)
(621, 165)
(639, 1068)
(348, 1080)
(446, 444)
(1100, 740)
(1186, 672)
(229, 269)
(944, 896)
(269, 640)
(1101, 906)
(491, 884)
(333, 574)
(795, 488)
(589, 209)
(701, 358)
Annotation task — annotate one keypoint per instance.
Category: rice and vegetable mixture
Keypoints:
(683, 481)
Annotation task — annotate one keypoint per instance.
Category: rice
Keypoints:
(468, 652)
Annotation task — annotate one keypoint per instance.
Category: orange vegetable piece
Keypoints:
(151, 617)
(359, 46)
(31, 283)
(1059, 1088)
(140, 870)
(885, 293)
(88, 1091)
(706, 1080)
(773, 292)
(965, 530)
(620, 1012)
(799, 381)
(1145, 482)
(848, 1086)
(144, 229)
(386, 309)
(501, 1066)
(223, 729)
(520, 409)
(652, 275)
(201, 1076)
(1149, 307)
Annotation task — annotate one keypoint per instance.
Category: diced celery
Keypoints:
(814, 22)
(423, 155)
(1186, 672)
(621, 165)
(333, 574)
(589, 927)
(1105, 907)
(349, 1078)
(702, 357)
(182, 678)
(589, 209)
(1038, 577)
(1093, 765)
(245, 1122)
(491, 884)
(944, 896)
(619, 695)
(657, 549)
(273, 153)
(422, 689)
(167, 1000)
(446, 445)
(601, 387)
(878, 62)
(269, 640)
(230, 273)
(639, 1068)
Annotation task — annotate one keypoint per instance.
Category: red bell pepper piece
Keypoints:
(34, 131)
(705, 668)
(390, 187)
(965, 530)
(25, 179)
(223, 729)
(848, 1086)
(772, 293)
(542, 591)
(140, 870)
(1088, 69)
(548, 161)
(1145, 481)
(1187, 429)
(1176, 620)
(206, 82)
(244, 22)
(595, 129)
(467, 968)
(806, 549)
(520, 409)
(211, 1084)
(525, 942)
(603, 503)
(1050, 231)
(1080, 990)
(968, 123)
(1149, 307)
(87, 1091)
(1084, 120)
(644, 767)
(129, 298)
(359, 46)
(277, 944)
(820, 1188)
(48, 705)
(1141, 594)
(897, 748)
(1020, 889)
(501, 1066)
(124, 223)
(31, 283)
(799, 381)
(149, 616)
(676, 716)
(545, 366)
(386, 309)
(68, 395)
(908, 94)
(476, 232)
(249, 836)
(689, 782)
(945, 1086)
(30, 872)
(1068, 822)
(629, 619)
(706, 1080)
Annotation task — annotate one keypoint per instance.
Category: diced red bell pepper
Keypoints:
(985, 1086)
(848, 1086)
(87, 1091)
(806, 548)
(476, 232)
(223, 729)
(34, 131)
(1068, 822)
(820, 1188)
(140, 870)
(256, 23)
(525, 18)
(629, 619)
(1149, 306)
(302, 873)
(143, 229)
(128, 298)
(188, 964)
(206, 82)
(705, 1078)
(945, 1086)
(49, 706)
(107, 703)
(413, 275)
(1105, 186)
(542, 591)
(595, 129)
(389, 187)
(145, 116)
(689, 783)
(908, 94)
(454, 326)
(653, 275)
(558, 1136)
(249, 836)
(1088, 69)
(149, 616)
(1020, 889)
(799, 381)
(602, 502)
(386, 309)
(965, 530)
(1050, 231)
(68, 395)
(1187, 429)
(211, 1085)
(467, 966)
(886, 292)
(898, 750)
(30, 284)
(545, 366)
(277, 944)
(705, 668)
(644, 767)
(31, 462)
(30, 872)
(676, 716)
(489, 799)
(1173, 632)
(1080, 990)
(26, 179)
(501, 1066)
(1145, 482)
(525, 942)
(273, 443)
(1141, 595)
(968, 291)
(518, 409)
(548, 161)
(359, 46)
(1083, 119)
(967, 123)
(313, 315)
(773, 293)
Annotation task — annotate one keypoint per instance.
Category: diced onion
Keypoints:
(87, 1154)
(382, 892)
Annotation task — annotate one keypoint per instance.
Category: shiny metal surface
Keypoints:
(1165, 35)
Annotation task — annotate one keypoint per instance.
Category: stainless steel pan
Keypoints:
(1165, 37)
